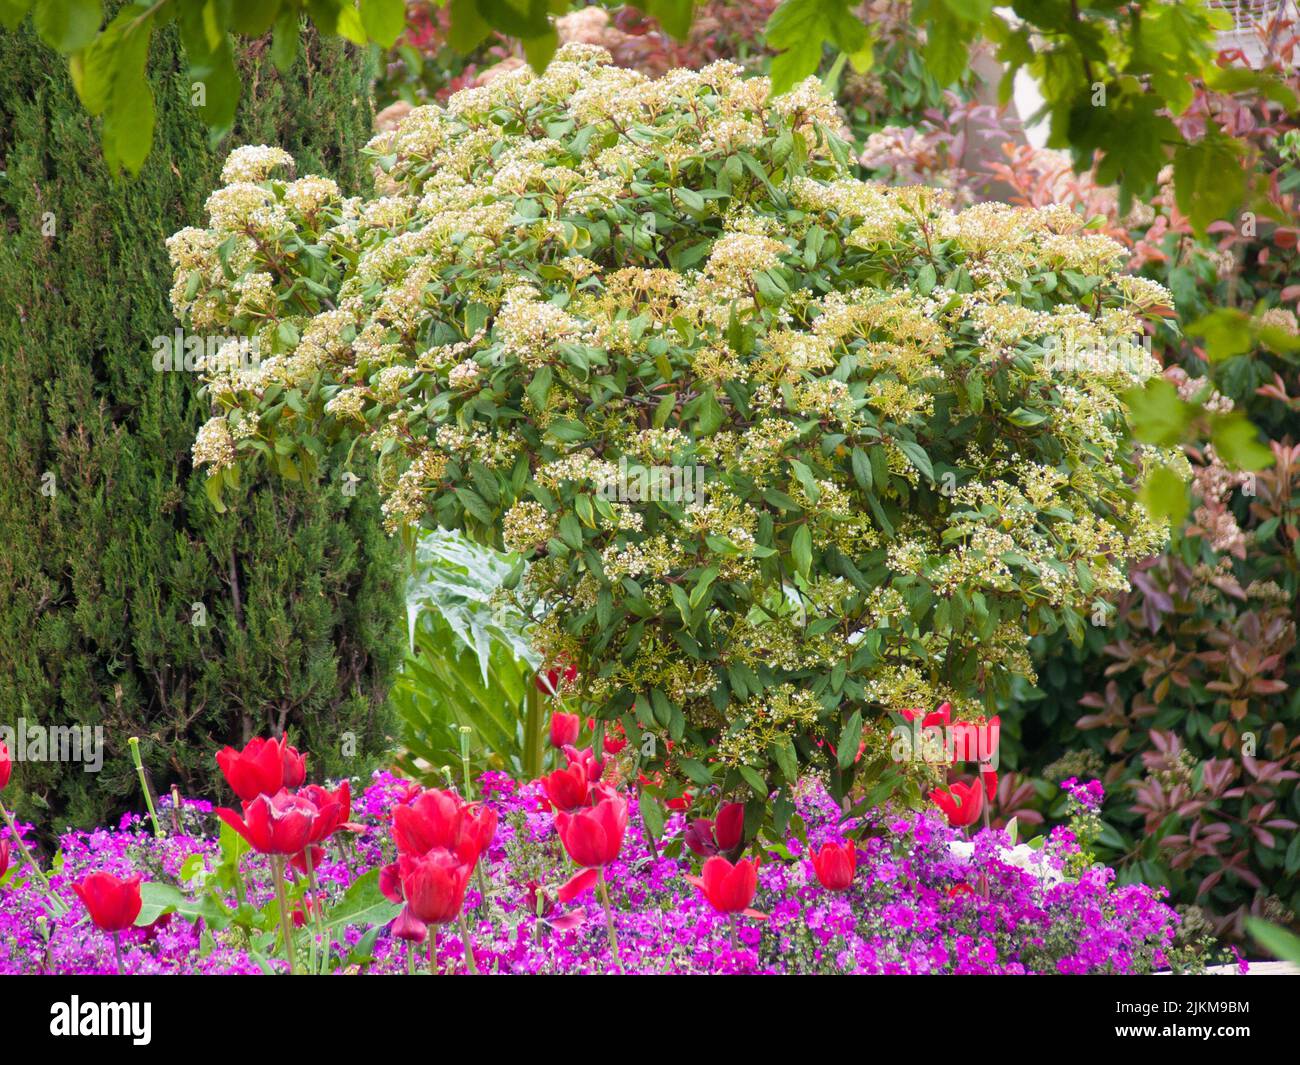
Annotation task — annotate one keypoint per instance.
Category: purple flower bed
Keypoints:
(924, 899)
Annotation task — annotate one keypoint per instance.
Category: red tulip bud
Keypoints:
(835, 865)
(564, 729)
(113, 904)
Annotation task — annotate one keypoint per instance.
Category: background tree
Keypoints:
(126, 600)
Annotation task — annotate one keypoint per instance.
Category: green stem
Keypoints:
(410, 958)
(469, 950)
(464, 761)
(735, 945)
(117, 950)
(609, 921)
(60, 907)
(313, 901)
(134, 744)
(533, 714)
(286, 921)
(433, 950)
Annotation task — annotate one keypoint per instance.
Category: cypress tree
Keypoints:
(126, 600)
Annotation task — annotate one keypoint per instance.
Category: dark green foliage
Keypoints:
(98, 582)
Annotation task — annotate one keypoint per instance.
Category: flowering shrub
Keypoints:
(913, 897)
(589, 276)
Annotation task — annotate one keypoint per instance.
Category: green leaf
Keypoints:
(846, 750)
(284, 42)
(383, 20)
(1209, 180)
(652, 814)
(801, 550)
(516, 18)
(755, 781)
(538, 50)
(12, 13)
(947, 45)
(468, 29)
(67, 25)
(1226, 332)
(1237, 443)
(1158, 415)
(212, 487)
(673, 15)
(862, 469)
(1283, 945)
(1164, 495)
(362, 905)
(917, 456)
(253, 18)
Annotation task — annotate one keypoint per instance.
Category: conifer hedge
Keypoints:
(126, 600)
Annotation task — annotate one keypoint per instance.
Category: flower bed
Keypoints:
(922, 899)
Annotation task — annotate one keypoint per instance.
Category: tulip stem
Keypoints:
(286, 920)
(609, 920)
(735, 945)
(469, 950)
(433, 950)
(134, 744)
(410, 958)
(317, 915)
(117, 950)
(533, 714)
(60, 907)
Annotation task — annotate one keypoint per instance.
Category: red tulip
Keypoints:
(941, 718)
(333, 809)
(567, 788)
(707, 838)
(615, 739)
(586, 758)
(6, 766)
(263, 767)
(433, 885)
(974, 741)
(299, 860)
(435, 819)
(835, 865)
(113, 904)
(990, 779)
(962, 803)
(4, 856)
(548, 683)
(594, 836)
(480, 826)
(729, 888)
(284, 824)
(682, 803)
(543, 907)
(564, 729)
